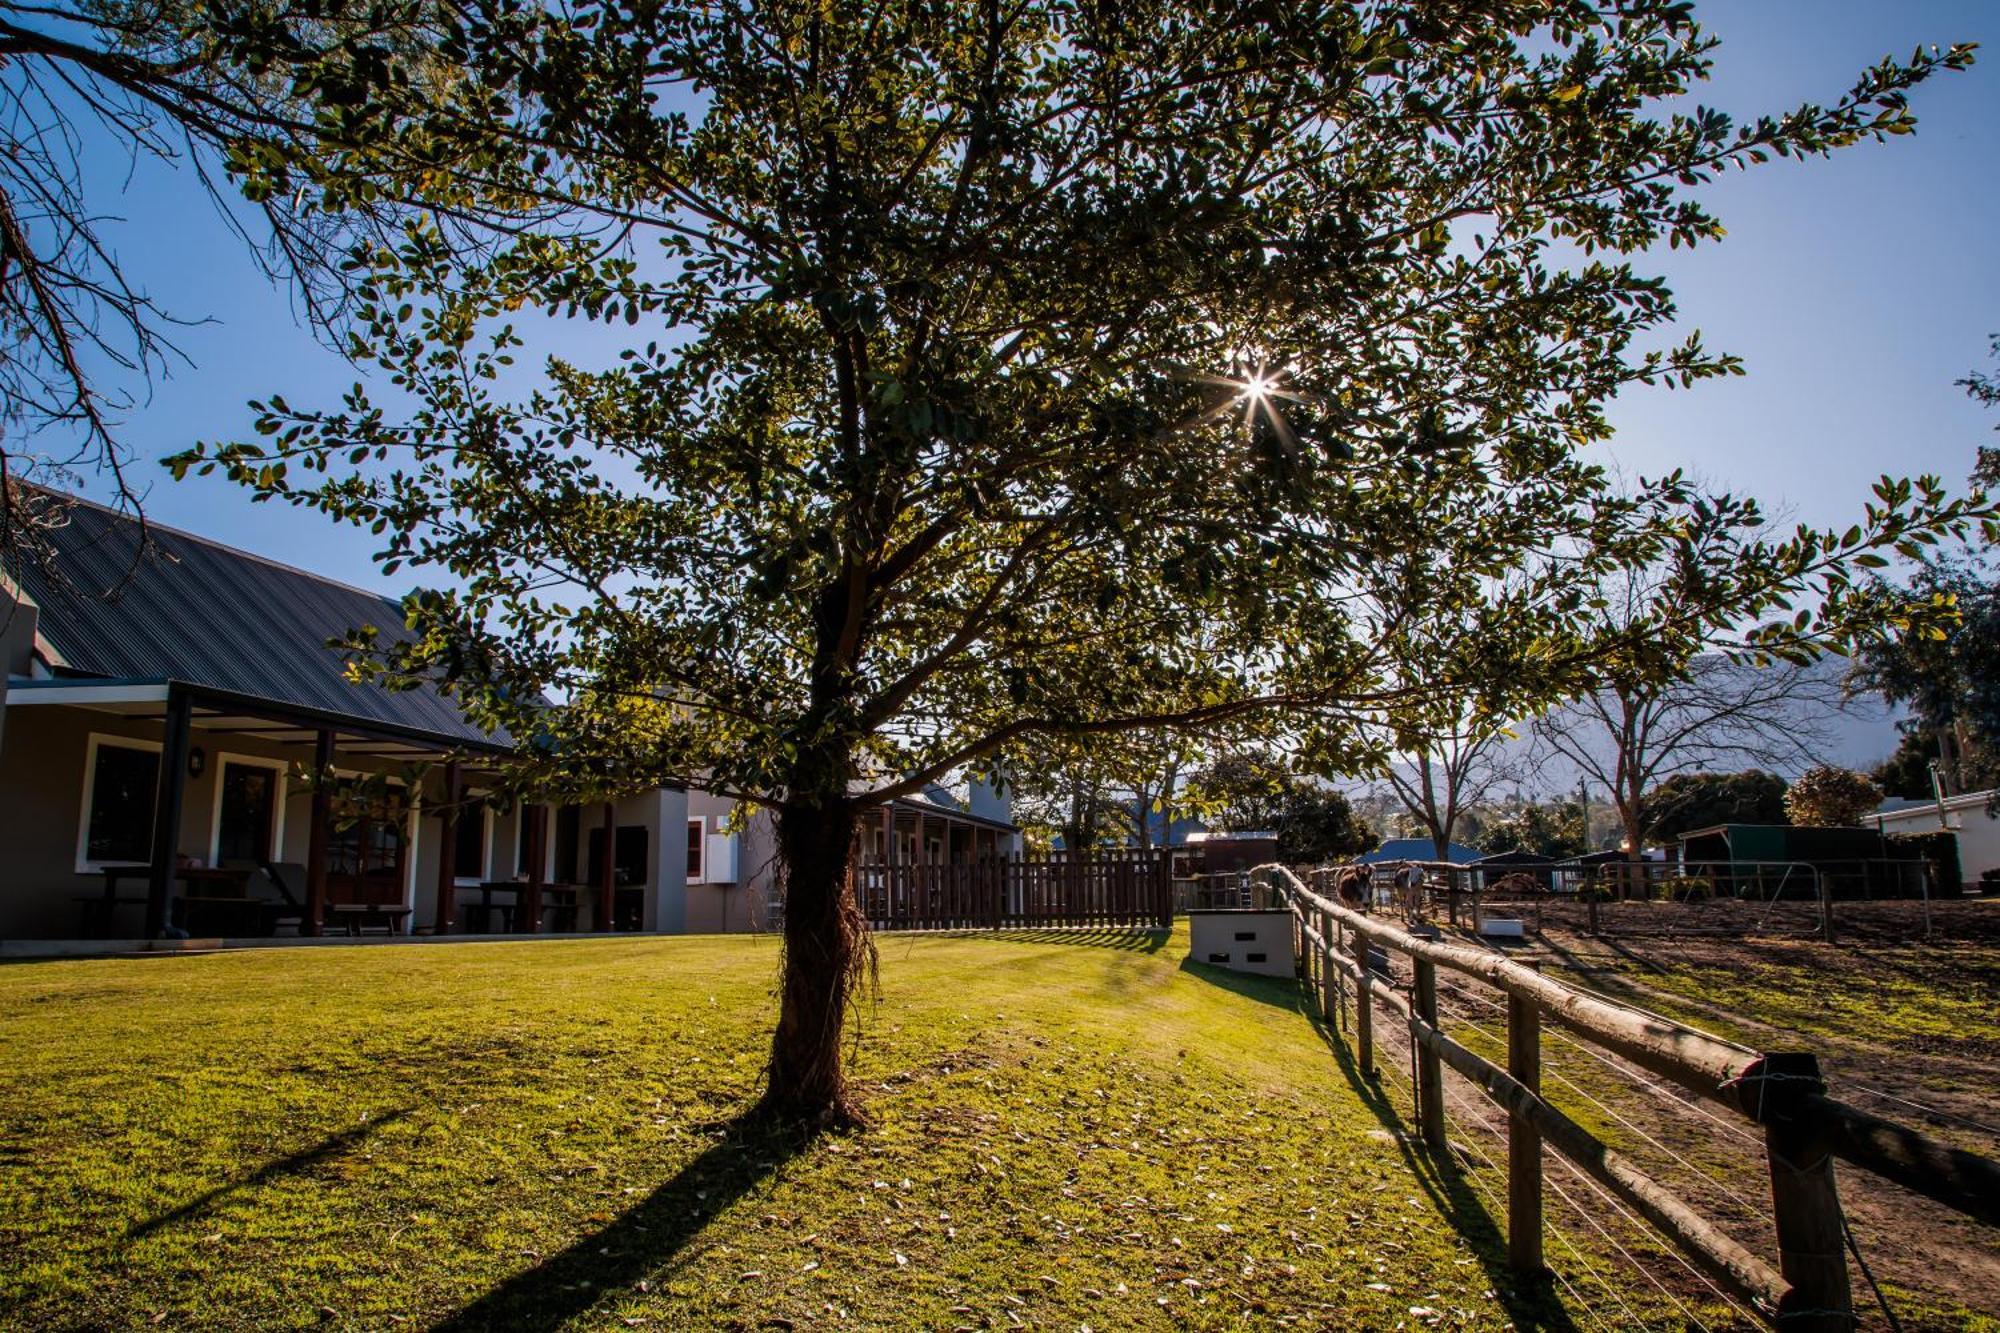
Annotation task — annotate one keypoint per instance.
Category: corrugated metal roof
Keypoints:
(207, 614)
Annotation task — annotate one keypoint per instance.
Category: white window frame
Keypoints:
(98, 739)
(223, 759)
(700, 873)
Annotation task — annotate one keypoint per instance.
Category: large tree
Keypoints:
(1010, 370)
(1554, 829)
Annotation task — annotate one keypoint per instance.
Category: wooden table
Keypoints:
(212, 890)
(100, 909)
(221, 896)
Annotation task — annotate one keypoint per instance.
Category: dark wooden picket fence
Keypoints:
(1114, 887)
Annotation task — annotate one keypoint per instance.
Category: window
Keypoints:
(120, 781)
(629, 854)
(368, 847)
(249, 797)
(569, 829)
(469, 839)
(697, 828)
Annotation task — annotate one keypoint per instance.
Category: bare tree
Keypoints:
(262, 107)
(1448, 773)
(1722, 715)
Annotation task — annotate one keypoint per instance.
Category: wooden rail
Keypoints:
(1805, 1130)
(1109, 888)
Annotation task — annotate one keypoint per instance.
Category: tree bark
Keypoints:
(828, 956)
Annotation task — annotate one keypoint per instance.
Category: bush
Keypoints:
(1940, 849)
(1828, 797)
(1687, 889)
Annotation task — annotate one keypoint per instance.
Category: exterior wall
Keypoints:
(43, 758)
(664, 814)
(729, 899)
(1978, 832)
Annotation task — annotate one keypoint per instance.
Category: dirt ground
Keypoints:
(1906, 1028)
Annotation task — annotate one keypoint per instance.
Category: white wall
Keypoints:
(1978, 832)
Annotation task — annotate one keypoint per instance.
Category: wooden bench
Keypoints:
(355, 918)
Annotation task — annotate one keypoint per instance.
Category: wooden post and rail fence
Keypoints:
(1108, 887)
(1805, 1130)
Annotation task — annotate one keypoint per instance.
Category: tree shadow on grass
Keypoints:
(289, 1165)
(641, 1242)
(1531, 1303)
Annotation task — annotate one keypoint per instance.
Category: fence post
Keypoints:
(1827, 930)
(1430, 1071)
(1364, 1008)
(1805, 1202)
(1329, 997)
(1524, 1140)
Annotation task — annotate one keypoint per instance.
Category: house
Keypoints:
(1500, 865)
(1971, 816)
(1225, 853)
(1419, 849)
(155, 745)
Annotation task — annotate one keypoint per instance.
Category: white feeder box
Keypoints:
(1502, 928)
(1242, 940)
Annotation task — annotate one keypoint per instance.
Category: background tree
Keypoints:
(1831, 797)
(1072, 802)
(1701, 708)
(1320, 827)
(999, 374)
(1688, 801)
(1907, 771)
(1554, 829)
(1249, 790)
(1242, 791)
(1446, 750)
(1948, 678)
(1114, 791)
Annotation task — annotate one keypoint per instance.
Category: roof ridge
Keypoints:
(210, 542)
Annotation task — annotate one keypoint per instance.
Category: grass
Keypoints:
(1067, 1133)
(1906, 1030)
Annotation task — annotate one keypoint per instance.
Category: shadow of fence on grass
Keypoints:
(638, 1244)
(290, 1164)
(1132, 939)
(1530, 1305)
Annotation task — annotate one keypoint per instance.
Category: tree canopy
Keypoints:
(914, 384)
(1947, 678)
(1553, 829)
(1688, 801)
(1829, 796)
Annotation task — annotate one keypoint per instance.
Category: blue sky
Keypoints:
(1858, 289)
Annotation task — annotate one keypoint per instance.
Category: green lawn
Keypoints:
(1066, 1134)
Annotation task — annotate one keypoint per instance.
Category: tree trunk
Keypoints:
(828, 956)
(1636, 885)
